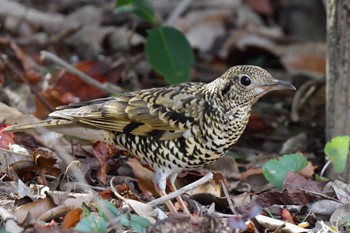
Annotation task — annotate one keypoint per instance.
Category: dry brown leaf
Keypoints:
(308, 171)
(5, 138)
(294, 182)
(36, 208)
(287, 216)
(143, 175)
(72, 218)
(103, 152)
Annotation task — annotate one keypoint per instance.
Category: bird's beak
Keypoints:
(273, 85)
(276, 84)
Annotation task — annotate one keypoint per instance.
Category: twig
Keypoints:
(180, 8)
(83, 185)
(302, 95)
(107, 88)
(116, 192)
(182, 190)
(229, 200)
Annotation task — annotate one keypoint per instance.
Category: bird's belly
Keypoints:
(173, 154)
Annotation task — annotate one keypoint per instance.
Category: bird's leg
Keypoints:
(159, 180)
(172, 187)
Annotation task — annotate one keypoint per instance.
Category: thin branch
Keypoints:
(107, 88)
(229, 200)
(182, 190)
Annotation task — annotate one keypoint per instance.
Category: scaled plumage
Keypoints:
(171, 128)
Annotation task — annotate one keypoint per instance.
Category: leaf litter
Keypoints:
(66, 182)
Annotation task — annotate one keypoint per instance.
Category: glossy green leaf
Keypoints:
(140, 8)
(169, 53)
(275, 170)
(92, 223)
(337, 151)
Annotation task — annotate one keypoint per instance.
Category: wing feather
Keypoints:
(161, 112)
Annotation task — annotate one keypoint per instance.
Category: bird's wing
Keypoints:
(161, 112)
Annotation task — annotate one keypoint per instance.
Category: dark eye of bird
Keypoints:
(245, 80)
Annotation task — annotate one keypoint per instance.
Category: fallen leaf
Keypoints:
(285, 214)
(5, 138)
(302, 197)
(143, 175)
(28, 65)
(308, 171)
(103, 152)
(35, 208)
(72, 218)
(69, 88)
(294, 182)
(340, 216)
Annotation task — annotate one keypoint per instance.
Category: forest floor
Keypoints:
(50, 182)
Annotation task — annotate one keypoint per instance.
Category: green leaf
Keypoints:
(321, 178)
(169, 53)
(138, 223)
(92, 223)
(107, 210)
(125, 220)
(275, 170)
(337, 151)
(86, 211)
(140, 8)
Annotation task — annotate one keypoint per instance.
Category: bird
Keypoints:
(172, 128)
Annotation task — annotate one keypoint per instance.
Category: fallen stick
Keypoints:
(107, 88)
(182, 190)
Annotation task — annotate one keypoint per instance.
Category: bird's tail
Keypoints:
(65, 127)
(35, 125)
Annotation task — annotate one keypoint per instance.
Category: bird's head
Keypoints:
(246, 84)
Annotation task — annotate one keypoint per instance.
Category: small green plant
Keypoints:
(275, 170)
(167, 49)
(106, 211)
(336, 151)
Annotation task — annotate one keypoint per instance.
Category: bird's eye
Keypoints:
(245, 80)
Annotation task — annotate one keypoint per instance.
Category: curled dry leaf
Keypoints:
(35, 208)
(72, 218)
